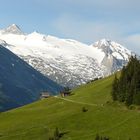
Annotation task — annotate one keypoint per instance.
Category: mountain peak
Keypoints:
(111, 48)
(35, 32)
(14, 25)
(108, 45)
(13, 29)
(102, 43)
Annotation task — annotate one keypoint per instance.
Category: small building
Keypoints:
(45, 95)
(66, 93)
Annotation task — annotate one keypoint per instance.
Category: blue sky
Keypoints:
(83, 20)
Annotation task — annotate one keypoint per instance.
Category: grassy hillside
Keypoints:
(38, 121)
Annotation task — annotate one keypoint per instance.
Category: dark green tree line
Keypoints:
(126, 88)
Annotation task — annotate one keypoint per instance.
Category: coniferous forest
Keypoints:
(126, 87)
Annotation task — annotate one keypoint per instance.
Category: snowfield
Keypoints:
(68, 62)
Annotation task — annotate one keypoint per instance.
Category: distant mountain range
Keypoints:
(20, 84)
(65, 61)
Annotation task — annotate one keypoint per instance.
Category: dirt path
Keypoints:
(77, 102)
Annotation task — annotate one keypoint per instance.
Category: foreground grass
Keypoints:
(38, 120)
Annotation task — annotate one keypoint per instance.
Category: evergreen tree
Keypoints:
(127, 87)
(101, 138)
(56, 134)
(97, 137)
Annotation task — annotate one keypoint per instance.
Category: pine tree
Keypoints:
(97, 137)
(56, 134)
(127, 87)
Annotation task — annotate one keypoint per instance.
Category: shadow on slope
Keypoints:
(20, 83)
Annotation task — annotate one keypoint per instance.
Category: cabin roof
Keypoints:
(45, 94)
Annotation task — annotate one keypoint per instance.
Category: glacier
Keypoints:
(65, 61)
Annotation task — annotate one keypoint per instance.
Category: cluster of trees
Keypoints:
(126, 88)
(57, 135)
(98, 137)
(101, 138)
(84, 109)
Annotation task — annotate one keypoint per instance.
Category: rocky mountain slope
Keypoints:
(115, 55)
(68, 62)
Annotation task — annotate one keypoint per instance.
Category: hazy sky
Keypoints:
(83, 20)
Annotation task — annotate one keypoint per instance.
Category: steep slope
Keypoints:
(39, 120)
(5, 102)
(20, 83)
(66, 61)
(116, 56)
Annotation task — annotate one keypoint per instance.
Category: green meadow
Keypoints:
(38, 121)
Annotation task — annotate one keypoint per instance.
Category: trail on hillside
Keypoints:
(77, 102)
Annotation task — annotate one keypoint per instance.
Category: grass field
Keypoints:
(38, 120)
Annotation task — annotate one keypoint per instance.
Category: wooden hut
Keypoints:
(45, 95)
(65, 93)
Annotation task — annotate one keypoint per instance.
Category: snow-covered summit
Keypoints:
(68, 61)
(115, 56)
(102, 42)
(12, 29)
(112, 48)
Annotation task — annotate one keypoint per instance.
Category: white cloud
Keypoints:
(86, 31)
(91, 31)
(133, 42)
(91, 20)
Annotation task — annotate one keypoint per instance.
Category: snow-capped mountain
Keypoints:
(66, 61)
(13, 29)
(115, 56)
